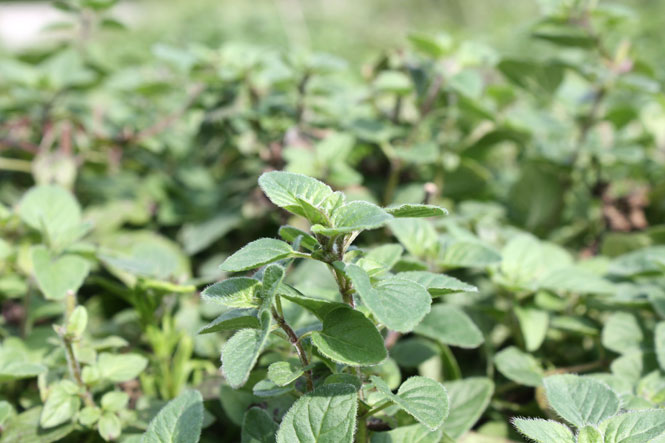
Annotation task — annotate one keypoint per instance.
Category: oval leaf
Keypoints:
(325, 415)
(256, 254)
(349, 337)
(179, 421)
(397, 303)
(423, 398)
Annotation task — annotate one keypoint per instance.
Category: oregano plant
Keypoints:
(331, 366)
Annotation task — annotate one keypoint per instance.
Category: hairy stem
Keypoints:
(293, 338)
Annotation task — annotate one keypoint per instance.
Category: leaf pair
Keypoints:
(593, 408)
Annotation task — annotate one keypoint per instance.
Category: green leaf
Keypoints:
(533, 324)
(325, 415)
(344, 379)
(297, 193)
(397, 303)
(423, 398)
(519, 367)
(642, 261)
(544, 431)
(413, 351)
(256, 254)
(576, 280)
(61, 405)
(415, 433)
(196, 237)
(412, 211)
(15, 365)
(258, 427)
(468, 254)
(236, 292)
(24, 427)
(580, 400)
(450, 325)
(622, 333)
(437, 284)
(240, 353)
(266, 388)
(77, 321)
(468, 400)
(56, 277)
(179, 421)
(354, 216)
(348, 337)
(589, 434)
(659, 342)
(54, 211)
(386, 255)
(109, 426)
(634, 426)
(232, 320)
(290, 234)
(317, 306)
(417, 236)
(283, 373)
(121, 367)
(393, 81)
(114, 401)
(89, 415)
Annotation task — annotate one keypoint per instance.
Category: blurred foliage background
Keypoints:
(540, 125)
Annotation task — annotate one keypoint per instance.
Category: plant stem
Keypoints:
(293, 338)
(361, 432)
(68, 342)
(376, 409)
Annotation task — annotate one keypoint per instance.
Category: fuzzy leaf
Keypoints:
(290, 234)
(468, 400)
(415, 433)
(55, 277)
(256, 254)
(397, 303)
(258, 427)
(317, 306)
(240, 353)
(349, 337)
(179, 421)
(589, 434)
(236, 292)
(437, 284)
(325, 415)
(579, 400)
(519, 367)
(354, 216)
(411, 210)
(423, 398)
(283, 373)
(634, 426)
(544, 431)
(296, 193)
(450, 325)
(232, 320)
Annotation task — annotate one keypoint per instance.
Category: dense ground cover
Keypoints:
(349, 304)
